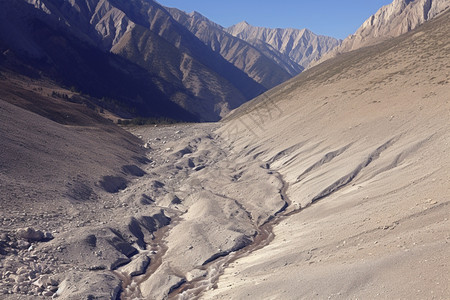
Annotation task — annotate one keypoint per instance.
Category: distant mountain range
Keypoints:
(142, 59)
(300, 46)
(256, 64)
(148, 59)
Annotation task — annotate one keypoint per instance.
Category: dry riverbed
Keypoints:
(190, 207)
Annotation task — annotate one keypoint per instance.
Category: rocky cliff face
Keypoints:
(301, 46)
(390, 21)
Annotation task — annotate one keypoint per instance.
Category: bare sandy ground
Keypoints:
(364, 146)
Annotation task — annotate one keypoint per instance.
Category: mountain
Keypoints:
(36, 43)
(265, 68)
(362, 143)
(143, 34)
(192, 67)
(301, 45)
(392, 20)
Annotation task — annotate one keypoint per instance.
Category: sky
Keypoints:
(336, 18)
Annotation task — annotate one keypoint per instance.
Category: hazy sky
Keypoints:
(337, 18)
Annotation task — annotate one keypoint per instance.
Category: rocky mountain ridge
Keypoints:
(300, 45)
(143, 33)
(187, 59)
(261, 67)
(390, 21)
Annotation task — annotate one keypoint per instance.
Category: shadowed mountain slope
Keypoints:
(35, 43)
(150, 44)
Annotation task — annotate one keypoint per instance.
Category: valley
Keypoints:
(331, 183)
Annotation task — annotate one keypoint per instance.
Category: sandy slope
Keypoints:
(365, 150)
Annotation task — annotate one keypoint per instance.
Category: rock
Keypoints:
(33, 235)
(133, 170)
(176, 200)
(191, 163)
(146, 200)
(21, 244)
(390, 21)
(119, 262)
(97, 268)
(139, 265)
(198, 168)
(32, 275)
(298, 46)
(196, 273)
(48, 236)
(43, 281)
(53, 282)
(16, 289)
(91, 240)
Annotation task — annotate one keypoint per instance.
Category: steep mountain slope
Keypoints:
(144, 33)
(390, 21)
(35, 43)
(259, 66)
(365, 155)
(205, 73)
(301, 46)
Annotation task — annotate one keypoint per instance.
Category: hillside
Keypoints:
(364, 152)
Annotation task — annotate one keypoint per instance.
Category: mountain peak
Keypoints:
(195, 14)
(242, 24)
